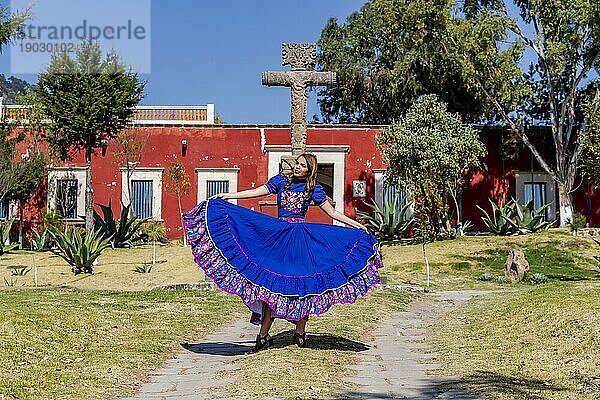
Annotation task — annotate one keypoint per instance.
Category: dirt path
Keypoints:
(394, 367)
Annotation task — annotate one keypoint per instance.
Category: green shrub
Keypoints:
(487, 277)
(19, 270)
(145, 268)
(514, 218)
(538, 278)
(528, 220)
(79, 251)
(5, 228)
(123, 233)
(388, 222)
(497, 223)
(577, 222)
(41, 239)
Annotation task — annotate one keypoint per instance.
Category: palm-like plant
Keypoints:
(122, 232)
(499, 222)
(5, 245)
(79, 251)
(390, 221)
(529, 220)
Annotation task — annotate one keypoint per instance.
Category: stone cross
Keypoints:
(301, 57)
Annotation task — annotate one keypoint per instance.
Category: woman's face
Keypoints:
(301, 168)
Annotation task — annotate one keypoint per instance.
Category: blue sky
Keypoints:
(215, 51)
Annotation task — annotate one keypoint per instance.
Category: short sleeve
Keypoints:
(319, 196)
(276, 184)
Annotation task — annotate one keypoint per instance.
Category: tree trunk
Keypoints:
(20, 225)
(89, 192)
(181, 216)
(565, 202)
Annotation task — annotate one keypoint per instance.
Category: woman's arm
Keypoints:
(338, 216)
(244, 194)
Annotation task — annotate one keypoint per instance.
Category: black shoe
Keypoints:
(300, 339)
(263, 342)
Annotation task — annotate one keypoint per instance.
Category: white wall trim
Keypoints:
(522, 177)
(60, 173)
(217, 174)
(153, 174)
(335, 155)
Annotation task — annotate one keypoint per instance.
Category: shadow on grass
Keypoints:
(490, 383)
(472, 387)
(219, 348)
(321, 341)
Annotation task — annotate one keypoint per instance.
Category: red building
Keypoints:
(235, 157)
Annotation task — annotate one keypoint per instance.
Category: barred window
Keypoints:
(66, 198)
(141, 202)
(4, 209)
(216, 187)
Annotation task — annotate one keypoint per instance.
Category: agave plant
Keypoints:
(500, 221)
(5, 245)
(79, 251)
(528, 220)
(122, 232)
(388, 222)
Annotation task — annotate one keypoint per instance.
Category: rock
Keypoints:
(516, 266)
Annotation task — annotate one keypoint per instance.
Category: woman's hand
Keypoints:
(223, 196)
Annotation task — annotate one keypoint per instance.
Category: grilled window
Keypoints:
(141, 202)
(4, 209)
(66, 198)
(390, 193)
(216, 187)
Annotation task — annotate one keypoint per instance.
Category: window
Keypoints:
(216, 187)
(213, 181)
(535, 191)
(325, 178)
(66, 198)
(4, 209)
(390, 193)
(536, 186)
(146, 191)
(141, 202)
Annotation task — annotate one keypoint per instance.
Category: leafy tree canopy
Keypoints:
(87, 99)
(385, 56)
(428, 152)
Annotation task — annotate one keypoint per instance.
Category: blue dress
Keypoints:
(295, 268)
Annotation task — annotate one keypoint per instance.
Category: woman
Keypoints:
(283, 267)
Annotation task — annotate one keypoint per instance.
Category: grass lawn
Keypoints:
(72, 344)
(539, 343)
(457, 264)
(115, 269)
(94, 336)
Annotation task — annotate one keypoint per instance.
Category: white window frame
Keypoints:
(12, 210)
(335, 155)
(154, 174)
(216, 174)
(61, 173)
(522, 177)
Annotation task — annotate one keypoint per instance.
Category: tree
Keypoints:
(590, 156)
(88, 100)
(428, 152)
(488, 40)
(128, 153)
(179, 183)
(12, 25)
(385, 56)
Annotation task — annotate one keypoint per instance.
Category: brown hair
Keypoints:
(311, 179)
